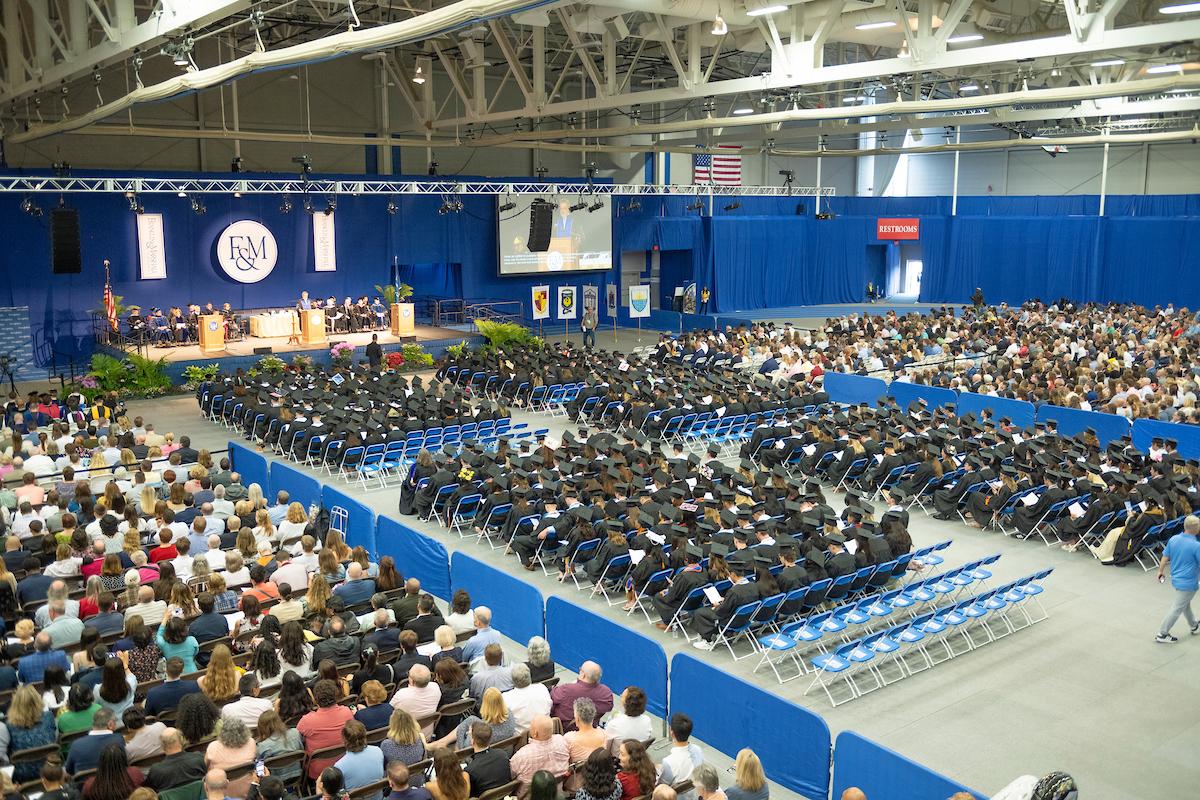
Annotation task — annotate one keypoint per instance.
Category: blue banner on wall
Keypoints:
(905, 393)
(852, 389)
(360, 527)
(251, 465)
(302, 488)
(1072, 421)
(1188, 436)
(1020, 412)
(573, 633)
(884, 774)
(518, 610)
(728, 713)
(417, 556)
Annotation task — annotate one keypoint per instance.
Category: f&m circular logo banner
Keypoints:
(246, 251)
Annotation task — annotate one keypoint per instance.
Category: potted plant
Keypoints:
(341, 354)
(301, 363)
(457, 351)
(272, 365)
(196, 375)
(393, 294)
(394, 360)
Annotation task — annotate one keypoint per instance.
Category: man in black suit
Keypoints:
(707, 621)
(177, 766)
(187, 455)
(838, 562)
(428, 619)
(84, 753)
(669, 600)
(385, 637)
(168, 694)
(487, 768)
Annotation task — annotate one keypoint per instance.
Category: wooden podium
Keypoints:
(312, 326)
(402, 320)
(212, 333)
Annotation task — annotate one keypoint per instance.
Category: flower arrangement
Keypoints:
(195, 375)
(415, 356)
(394, 360)
(88, 382)
(272, 365)
(341, 354)
(133, 376)
(301, 362)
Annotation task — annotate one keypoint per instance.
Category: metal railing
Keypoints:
(495, 311)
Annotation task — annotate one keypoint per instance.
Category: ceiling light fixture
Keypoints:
(719, 28)
(285, 205)
(418, 76)
(741, 112)
(580, 206)
(965, 37)
(969, 87)
(734, 206)
(596, 206)
(696, 206)
(1111, 62)
(764, 11)
(871, 26)
(1160, 69)
(1180, 8)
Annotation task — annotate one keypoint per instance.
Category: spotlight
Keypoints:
(696, 206)
(305, 163)
(61, 168)
(450, 207)
(596, 206)
(734, 206)
(418, 76)
(308, 206)
(182, 194)
(580, 206)
(433, 167)
(541, 173)
(198, 206)
(719, 28)
(634, 205)
(392, 208)
(238, 164)
(508, 205)
(285, 205)
(31, 208)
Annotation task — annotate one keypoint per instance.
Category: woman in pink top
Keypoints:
(233, 748)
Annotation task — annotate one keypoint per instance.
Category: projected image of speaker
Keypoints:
(64, 241)
(541, 221)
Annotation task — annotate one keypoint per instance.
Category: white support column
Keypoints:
(384, 126)
(957, 153)
(1103, 178)
(237, 124)
(77, 27)
(818, 184)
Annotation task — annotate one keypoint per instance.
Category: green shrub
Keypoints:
(194, 375)
(415, 356)
(272, 365)
(507, 335)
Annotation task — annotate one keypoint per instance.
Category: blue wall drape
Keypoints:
(1150, 261)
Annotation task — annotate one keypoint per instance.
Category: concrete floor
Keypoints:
(1087, 691)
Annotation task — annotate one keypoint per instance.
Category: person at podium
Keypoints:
(304, 303)
(562, 225)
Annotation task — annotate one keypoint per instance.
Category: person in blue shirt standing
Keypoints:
(1183, 555)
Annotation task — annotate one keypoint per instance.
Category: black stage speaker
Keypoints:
(263, 351)
(64, 241)
(541, 221)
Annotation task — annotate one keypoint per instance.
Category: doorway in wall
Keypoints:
(876, 264)
(907, 271)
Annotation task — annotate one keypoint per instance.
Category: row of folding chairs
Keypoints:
(878, 659)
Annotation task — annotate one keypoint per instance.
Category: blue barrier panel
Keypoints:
(573, 633)
(800, 760)
(252, 465)
(884, 774)
(1020, 412)
(360, 527)
(905, 393)
(518, 610)
(301, 487)
(843, 388)
(417, 555)
(1188, 436)
(1071, 421)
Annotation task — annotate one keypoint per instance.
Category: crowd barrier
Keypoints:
(417, 555)
(251, 465)
(360, 525)
(1021, 412)
(518, 610)
(1071, 421)
(728, 713)
(302, 488)
(884, 774)
(853, 389)
(905, 393)
(1188, 436)
(577, 635)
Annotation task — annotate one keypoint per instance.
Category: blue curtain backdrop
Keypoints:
(1151, 261)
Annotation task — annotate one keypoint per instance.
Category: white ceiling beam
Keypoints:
(510, 55)
(668, 45)
(585, 58)
(954, 16)
(101, 18)
(1103, 18)
(951, 61)
(174, 18)
(456, 77)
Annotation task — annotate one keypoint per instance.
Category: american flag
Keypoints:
(110, 305)
(721, 168)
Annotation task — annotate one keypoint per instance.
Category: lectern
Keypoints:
(212, 333)
(312, 326)
(402, 319)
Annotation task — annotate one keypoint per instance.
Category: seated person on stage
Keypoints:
(179, 324)
(233, 325)
(335, 320)
(381, 313)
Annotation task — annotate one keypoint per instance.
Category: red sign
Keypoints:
(893, 229)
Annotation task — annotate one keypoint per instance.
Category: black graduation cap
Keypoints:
(695, 551)
(742, 535)
(740, 560)
(1009, 469)
(707, 527)
(791, 506)
(836, 537)
(583, 512)
(718, 549)
(764, 561)
(747, 464)
(678, 491)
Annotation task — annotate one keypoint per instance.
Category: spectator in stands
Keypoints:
(420, 698)
(750, 783)
(374, 712)
(278, 512)
(398, 782)
(288, 608)
(197, 717)
(249, 706)
(177, 767)
(447, 644)
(537, 658)
(598, 780)
(114, 778)
(65, 565)
(494, 712)
(484, 634)
(232, 748)
(209, 624)
(404, 741)
(63, 629)
(486, 768)
(294, 699)
(108, 620)
(236, 573)
(707, 781)
(224, 599)
(53, 779)
(546, 750)
(30, 724)
(363, 763)
(141, 740)
(685, 756)
(588, 685)
(631, 722)
(405, 608)
(220, 679)
(144, 656)
(526, 700)
(385, 637)
(84, 753)
(34, 586)
(492, 674)
(173, 689)
(322, 727)
(57, 591)
(427, 621)
(117, 687)
(449, 781)
(79, 712)
(340, 647)
(452, 682)
(175, 641)
(274, 739)
(388, 578)
(32, 667)
(150, 610)
(637, 774)
(295, 653)
(165, 550)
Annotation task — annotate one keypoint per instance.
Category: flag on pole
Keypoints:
(110, 304)
(722, 169)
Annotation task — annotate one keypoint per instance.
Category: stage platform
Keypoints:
(241, 353)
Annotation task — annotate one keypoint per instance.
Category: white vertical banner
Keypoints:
(612, 300)
(591, 298)
(566, 302)
(541, 302)
(152, 252)
(324, 250)
(639, 301)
